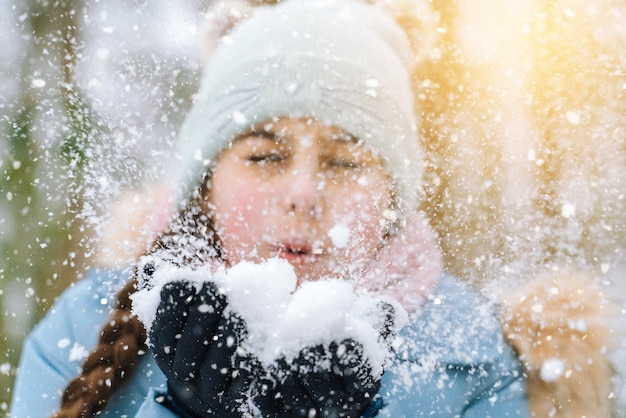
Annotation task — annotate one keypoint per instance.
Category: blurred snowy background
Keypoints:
(91, 95)
(523, 113)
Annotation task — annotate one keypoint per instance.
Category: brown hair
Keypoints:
(190, 239)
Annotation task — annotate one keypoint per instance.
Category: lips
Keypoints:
(297, 250)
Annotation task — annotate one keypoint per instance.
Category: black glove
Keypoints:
(323, 381)
(196, 347)
(387, 322)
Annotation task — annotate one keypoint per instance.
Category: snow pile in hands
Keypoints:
(281, 318)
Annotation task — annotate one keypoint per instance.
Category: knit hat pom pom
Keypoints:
(220, 19)
(419, 21)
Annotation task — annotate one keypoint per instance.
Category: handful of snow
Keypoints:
(282, 319)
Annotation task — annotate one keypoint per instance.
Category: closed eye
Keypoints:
(268, 158)
(347, 164)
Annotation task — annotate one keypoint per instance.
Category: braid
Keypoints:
(191, 239)
(122, 341)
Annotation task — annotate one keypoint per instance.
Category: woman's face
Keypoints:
(303, 191)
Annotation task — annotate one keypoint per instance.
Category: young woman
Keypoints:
(301, 147)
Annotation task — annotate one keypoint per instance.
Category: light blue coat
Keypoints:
(451, 360)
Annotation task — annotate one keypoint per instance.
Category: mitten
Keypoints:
(327, 380)
(196, 345)
(332, 380)
(387, 325)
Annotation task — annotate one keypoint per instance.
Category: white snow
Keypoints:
(38, 83)
(552, 369)
(578, 324)
(5, 369)
(281, 318)
(63, 342)
(568, 210)
(240, 118)
(78, 353)
(572, 117)
(340, 235)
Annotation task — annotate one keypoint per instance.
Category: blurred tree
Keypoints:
(463, 151)
(41, 254)
(577, 86)
(92, 99)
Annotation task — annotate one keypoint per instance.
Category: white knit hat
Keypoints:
(345, 63)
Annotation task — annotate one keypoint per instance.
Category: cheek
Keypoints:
(241, 208)
(361, 211)
(233, 206)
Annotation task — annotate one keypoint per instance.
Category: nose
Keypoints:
(302, 193)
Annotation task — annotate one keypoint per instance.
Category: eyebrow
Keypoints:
(345, 137)
(341, 137)
(273, 136)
